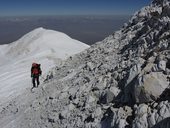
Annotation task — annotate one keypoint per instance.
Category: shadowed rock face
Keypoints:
(120, 82)
(165, 123)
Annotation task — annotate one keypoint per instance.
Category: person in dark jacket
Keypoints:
(35, 73)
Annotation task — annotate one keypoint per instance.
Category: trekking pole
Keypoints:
(43, 79)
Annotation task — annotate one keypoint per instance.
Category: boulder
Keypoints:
(149, 87)
(107, 97)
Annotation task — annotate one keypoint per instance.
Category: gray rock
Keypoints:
(134, 71)
(162, 65)
(149, 87)
(107, 97)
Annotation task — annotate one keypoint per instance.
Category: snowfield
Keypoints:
(43, 46)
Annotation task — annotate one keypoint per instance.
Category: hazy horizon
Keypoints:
(88, 21)
(86, 28)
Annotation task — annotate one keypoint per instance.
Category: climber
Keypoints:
(35, 73)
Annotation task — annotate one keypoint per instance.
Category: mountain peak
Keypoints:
(40, 28)
(37, 31)
(40, 40)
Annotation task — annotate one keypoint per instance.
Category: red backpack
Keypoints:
(35, 69)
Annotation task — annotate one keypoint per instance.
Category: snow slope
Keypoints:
(43, 46)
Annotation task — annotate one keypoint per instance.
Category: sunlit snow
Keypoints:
(43, 46)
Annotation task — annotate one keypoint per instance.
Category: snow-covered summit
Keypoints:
(41, 45)
(40, 40)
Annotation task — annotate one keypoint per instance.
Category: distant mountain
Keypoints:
(88, 29)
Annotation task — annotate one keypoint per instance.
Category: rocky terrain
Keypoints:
(120, 82)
